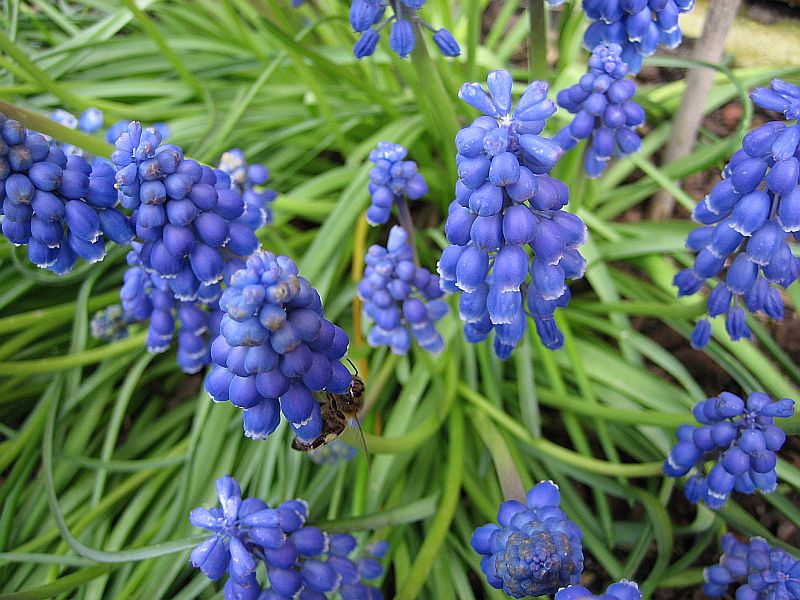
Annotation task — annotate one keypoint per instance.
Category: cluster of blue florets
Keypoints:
(366, 18)
(604, 110)
(535, 550)
(147, 296)
(301, 561)
(638, 26)
(275, 349)
(109, 324)
(62, 207)
(400, 298)
(739, 440)
(761, 571)
(623, 590)
(392, 180)
(504, 201)
(90, 121)
(747, 220)
(249, 180)
(185, 214)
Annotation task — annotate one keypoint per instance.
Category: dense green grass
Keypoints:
(106, 449)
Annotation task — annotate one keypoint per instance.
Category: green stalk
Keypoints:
(70, 361)
(440, 526)
(60, 585)
(507, 474)
(45, 125)
(537, 41)
(548, 449)
(180, 67)
(153, 551)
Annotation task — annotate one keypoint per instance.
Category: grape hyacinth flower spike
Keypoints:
(367, 18)
(301, 561)
(186, 214)
(393, 181)
(638, 26)
(535, 549)
(739, 440)
(506, 200)
(401, 299)
(60, 206)
(275, 349)
(604, 110)
(761, 571)
(746, 223)
(623, 590)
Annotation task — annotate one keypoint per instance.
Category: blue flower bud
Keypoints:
(446, 43)
(735, 324)
(366, 44)
(401, 38)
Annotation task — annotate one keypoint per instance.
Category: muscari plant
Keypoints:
(207, 263)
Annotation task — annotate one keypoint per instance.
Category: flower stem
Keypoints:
(437, 532)
(407, 223)
(537, 41)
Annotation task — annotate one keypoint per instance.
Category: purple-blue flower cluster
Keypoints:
(740, 440)
(147, 296)
(60, 206)
(602, 102)
(249, 180)
(366, 18)
(504, 201)
(623, 590)
(638, 26)
(109, 324)
(400, 298)
(747, 220)
(392, 181)
(275, 349)
(535, 550)
(301, 561)
(761, 571)
(187, 215)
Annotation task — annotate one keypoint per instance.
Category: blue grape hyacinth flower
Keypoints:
(746, 224)
(393, 180)
(604, 110)
(275, 349)
(739, 440)
(249, 180)
(505, 200)
(622, 590)
(60, 206)
(186, 215)
(367, 18)
(400, 299)
(638, 26)
(760, 571)
(301, 561)
(535, 549)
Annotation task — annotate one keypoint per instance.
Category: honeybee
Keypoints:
(336, 410)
